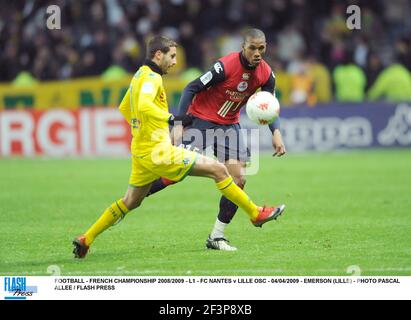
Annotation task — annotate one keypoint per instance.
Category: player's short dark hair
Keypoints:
(159, 43)
(253, 33)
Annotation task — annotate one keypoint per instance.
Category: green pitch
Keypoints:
(343, 209)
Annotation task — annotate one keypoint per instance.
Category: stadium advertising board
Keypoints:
(339, 126)
(103, 131)
(59, 132)
(75, 94)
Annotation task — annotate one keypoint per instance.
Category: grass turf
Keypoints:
(343, 209)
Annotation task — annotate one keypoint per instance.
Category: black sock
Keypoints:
(227, 210)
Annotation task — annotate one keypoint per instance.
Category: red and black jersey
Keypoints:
(218, 95)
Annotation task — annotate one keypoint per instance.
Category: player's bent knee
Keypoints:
(128, 203)
(220, 171)
(132, 201)
(132, 204)
(240, 181)
(137, 204)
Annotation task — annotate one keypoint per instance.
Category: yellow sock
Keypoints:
(235, 194)
(110, 216)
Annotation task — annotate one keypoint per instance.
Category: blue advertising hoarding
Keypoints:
(341, 126)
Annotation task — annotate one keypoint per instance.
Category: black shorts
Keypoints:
(225, 141)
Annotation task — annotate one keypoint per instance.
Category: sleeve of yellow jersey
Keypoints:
(125, 108)
(145, 100)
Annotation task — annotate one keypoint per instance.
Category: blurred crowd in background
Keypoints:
(313, 53)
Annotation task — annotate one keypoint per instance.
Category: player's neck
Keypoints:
(153, 66)
(245, 62)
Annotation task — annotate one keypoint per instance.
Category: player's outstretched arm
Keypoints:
(277, 139)
(211, 77)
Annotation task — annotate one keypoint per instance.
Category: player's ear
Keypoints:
(158, 55)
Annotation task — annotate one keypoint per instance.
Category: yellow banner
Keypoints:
(75, 94)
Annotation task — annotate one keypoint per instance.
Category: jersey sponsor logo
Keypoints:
(218, 67)
(135, 123)
(238, 96)
(242, 86)
(246, 76)
(206, 78)
(147, 87)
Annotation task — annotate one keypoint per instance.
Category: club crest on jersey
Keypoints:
(246, 76)
(242, 86)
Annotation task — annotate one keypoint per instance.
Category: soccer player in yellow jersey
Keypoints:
(153, 156)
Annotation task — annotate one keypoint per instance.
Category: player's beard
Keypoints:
(165, 65)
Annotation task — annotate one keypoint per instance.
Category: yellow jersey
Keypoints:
(145, 108)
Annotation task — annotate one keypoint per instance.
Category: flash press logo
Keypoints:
(17, 289)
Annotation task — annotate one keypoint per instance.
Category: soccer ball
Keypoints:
(263, 108)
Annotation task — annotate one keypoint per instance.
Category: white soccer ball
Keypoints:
(263, 108)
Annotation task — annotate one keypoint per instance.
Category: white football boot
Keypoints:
(219, 244)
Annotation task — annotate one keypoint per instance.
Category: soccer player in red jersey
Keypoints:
(214, 101)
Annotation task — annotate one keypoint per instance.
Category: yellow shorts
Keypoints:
(165, 160)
